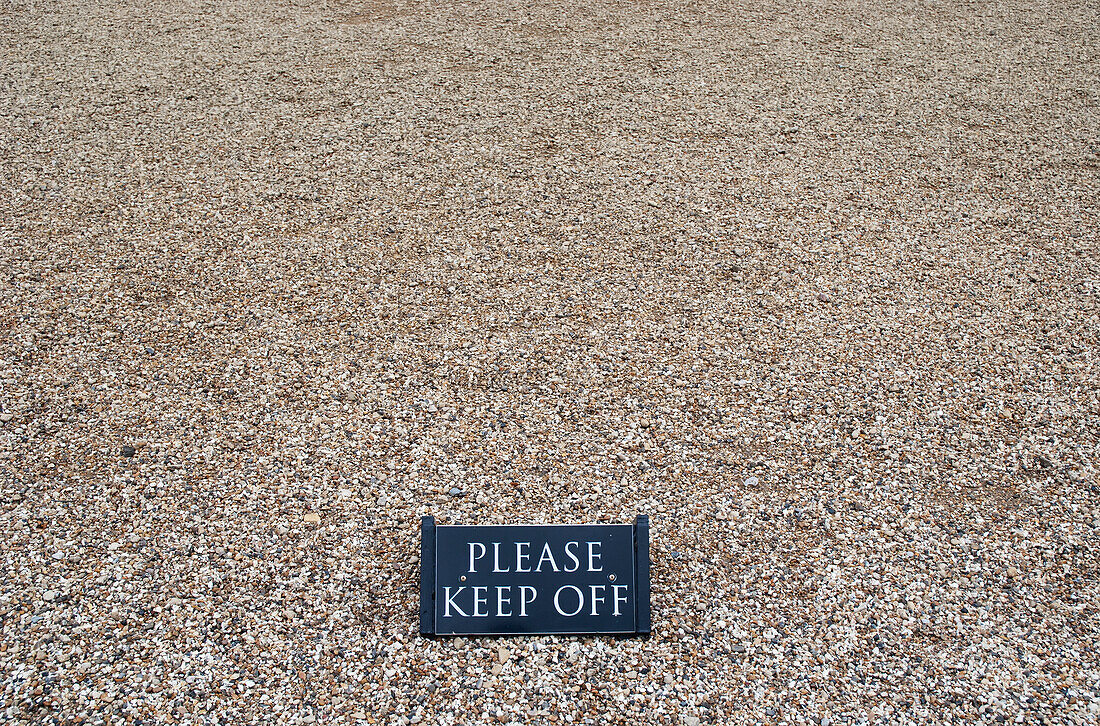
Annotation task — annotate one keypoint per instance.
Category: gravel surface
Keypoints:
(816, 285)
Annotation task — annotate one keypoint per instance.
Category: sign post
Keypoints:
(534, 579)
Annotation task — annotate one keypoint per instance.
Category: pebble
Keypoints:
(819, 294)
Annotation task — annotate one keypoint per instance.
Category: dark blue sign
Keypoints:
(512, 579)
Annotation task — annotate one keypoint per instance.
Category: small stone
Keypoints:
(824, 297)
(496, 669)
(752, 481)
(503, 654)
(1012, 571)
(312, 518)
(50, 595)
(5, 417)
(455, 492)
(691, 721)
(128, 451)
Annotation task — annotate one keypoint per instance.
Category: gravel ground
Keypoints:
(815, 284)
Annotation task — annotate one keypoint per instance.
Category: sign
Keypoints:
(534, 579)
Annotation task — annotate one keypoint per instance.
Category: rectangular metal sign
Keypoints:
(534, 579)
